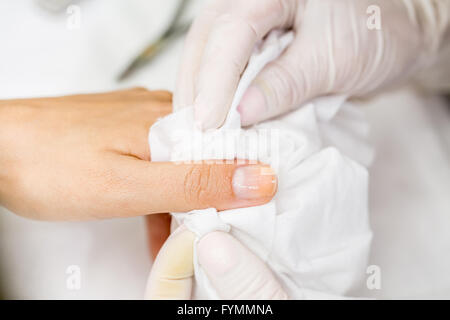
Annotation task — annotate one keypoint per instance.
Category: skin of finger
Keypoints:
(60, 151)
(93, 156)
(234, 271)
(230, 42)
(229, 46)
(172, 273)
(142, 187)
(158, 230)
(173, 225)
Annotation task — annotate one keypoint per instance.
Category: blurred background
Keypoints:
(57, 47)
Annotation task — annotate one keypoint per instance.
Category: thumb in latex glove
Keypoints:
(233, 270)
(335, 50)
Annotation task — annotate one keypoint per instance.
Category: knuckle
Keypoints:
(205, 185)
(23, 198)
(237, 23)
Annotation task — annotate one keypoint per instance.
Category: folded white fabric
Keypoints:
(315, 233)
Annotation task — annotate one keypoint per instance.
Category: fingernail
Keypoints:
(217, 254)
(252, 106)
(254, 182)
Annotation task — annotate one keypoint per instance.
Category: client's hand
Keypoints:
(87, 156)
(234, 271)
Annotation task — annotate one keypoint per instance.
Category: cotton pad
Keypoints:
(315, 234)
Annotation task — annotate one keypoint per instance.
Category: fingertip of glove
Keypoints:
(217, 253)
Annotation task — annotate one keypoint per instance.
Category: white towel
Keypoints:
(315, 233)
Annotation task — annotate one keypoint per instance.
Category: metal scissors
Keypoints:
(174, 30)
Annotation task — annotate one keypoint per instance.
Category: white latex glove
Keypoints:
(334, 51)
(234, 271)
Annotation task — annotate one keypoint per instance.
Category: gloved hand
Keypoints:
(234, 271)
(338, 48)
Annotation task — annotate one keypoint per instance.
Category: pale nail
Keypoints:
(254, 182)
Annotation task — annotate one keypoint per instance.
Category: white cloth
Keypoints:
(315, 233)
